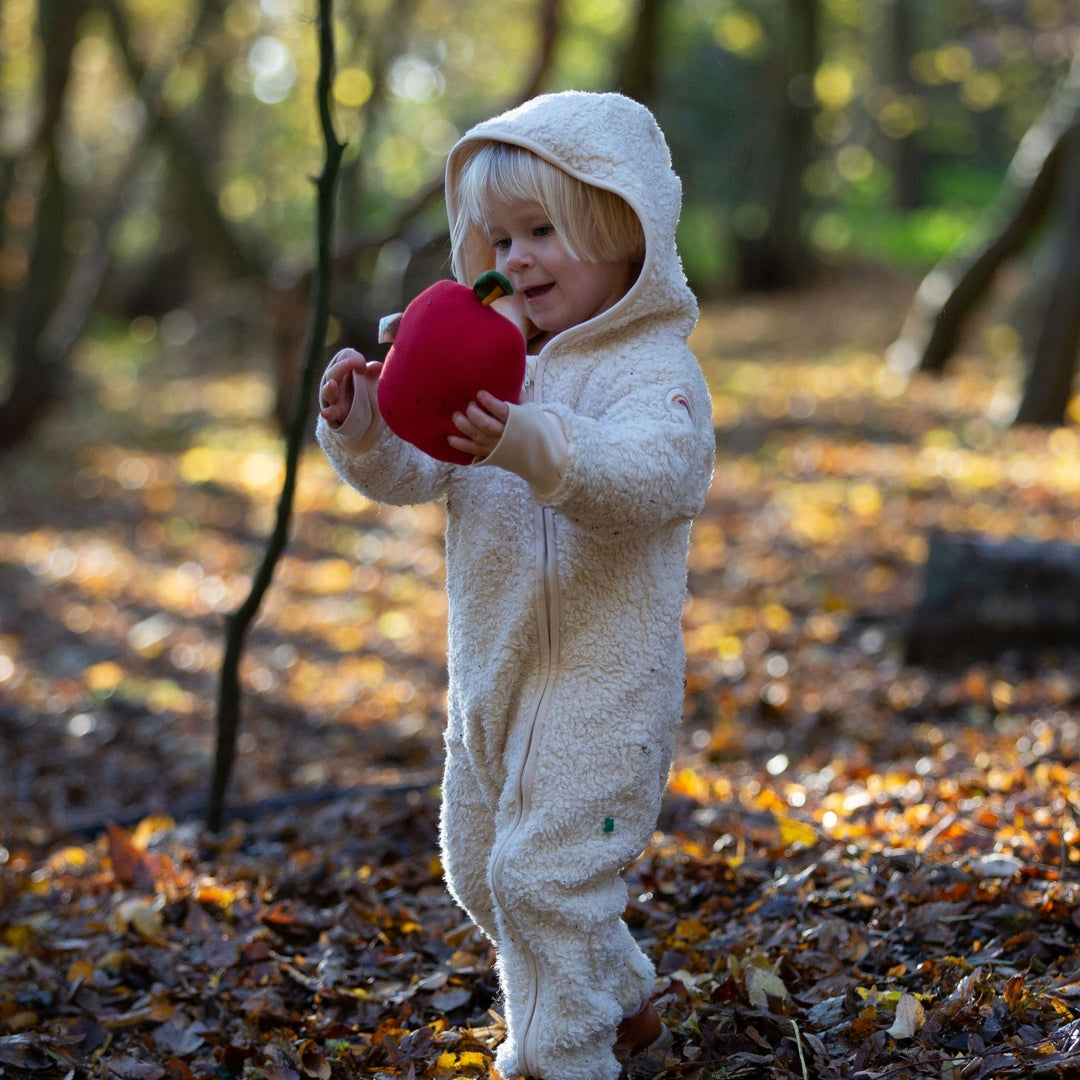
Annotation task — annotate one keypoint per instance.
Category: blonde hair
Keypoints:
(596, 225)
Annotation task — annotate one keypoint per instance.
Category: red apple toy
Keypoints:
(449, 345)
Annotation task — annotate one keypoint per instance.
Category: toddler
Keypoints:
(566, 544)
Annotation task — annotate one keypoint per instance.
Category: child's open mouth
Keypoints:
(538, 292)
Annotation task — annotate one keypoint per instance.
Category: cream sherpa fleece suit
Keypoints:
(566, 574)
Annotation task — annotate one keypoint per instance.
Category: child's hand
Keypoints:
(347, 374)
(481, 425)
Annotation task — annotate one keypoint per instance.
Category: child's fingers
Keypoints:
(497, 408)
(464, 425)
(483, 420)
(343, 362)
(328, 392)
(345, 357)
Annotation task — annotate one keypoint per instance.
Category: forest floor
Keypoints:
(865, 867)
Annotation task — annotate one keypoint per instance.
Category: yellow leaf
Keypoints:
(467, 1059)
(103, 678)
(142, 916)
(150, 827)
(692, 930)
(79, 969)
(18, 935)
(793, 831)
(210, 892)
(691, 784)
(312, 1061)
(74, 858)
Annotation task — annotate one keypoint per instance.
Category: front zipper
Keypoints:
(547, 614)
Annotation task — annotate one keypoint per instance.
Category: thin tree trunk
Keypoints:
(87, 277)
(237, 623)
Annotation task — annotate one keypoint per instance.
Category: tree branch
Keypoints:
(237, 623)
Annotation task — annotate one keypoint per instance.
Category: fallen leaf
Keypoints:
(910, 1016)
(453, 997)
(178, 1039)
(762, 984)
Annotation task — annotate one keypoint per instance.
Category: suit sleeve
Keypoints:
(533, 446)
(386, 469)
(644, 463)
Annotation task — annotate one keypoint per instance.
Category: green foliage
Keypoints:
(912, 239)
(950, 104)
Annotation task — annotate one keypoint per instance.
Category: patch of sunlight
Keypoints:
(395, 625)
(834, 85)
(230, 398)
(741, 33)
(261, 473)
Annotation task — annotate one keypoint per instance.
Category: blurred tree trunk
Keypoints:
(1036, 176)
(190, 173)
(34, 382)
(1056, 339)
(549, 30)
(771, 251)
(90, 269)
(638, 71)
(174, 271)
(383, 39)
(895, 42)
(58, 294)
(208, 124)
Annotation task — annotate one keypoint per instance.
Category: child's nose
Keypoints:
(519, 255)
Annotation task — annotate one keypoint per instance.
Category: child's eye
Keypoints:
(502, 243)
(543, 230)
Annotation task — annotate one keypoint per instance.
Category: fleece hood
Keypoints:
(612, 142)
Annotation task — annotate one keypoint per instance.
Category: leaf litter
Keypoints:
(864, 869)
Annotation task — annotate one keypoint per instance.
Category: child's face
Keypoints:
(554, 289)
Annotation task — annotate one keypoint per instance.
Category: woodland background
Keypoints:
(868, 862)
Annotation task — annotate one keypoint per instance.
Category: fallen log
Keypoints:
(982, 597)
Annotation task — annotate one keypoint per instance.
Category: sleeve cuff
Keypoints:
(534, 447)
(359, 430)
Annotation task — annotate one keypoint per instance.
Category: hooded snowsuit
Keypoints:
(566, 575)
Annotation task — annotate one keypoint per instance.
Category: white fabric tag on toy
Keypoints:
(388, 327)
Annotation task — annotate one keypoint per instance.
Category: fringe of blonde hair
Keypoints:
(595, 225)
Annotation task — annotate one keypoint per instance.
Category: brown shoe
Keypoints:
(636, 1032)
